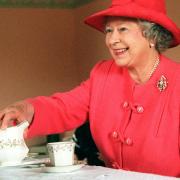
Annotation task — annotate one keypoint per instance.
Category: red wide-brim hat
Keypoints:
(150, 10)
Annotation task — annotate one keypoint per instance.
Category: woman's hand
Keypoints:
(16, 113)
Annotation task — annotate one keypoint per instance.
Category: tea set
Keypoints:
(14, 151)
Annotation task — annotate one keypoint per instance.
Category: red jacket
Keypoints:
(136, 127)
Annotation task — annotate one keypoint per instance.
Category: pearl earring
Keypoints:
(151, 45)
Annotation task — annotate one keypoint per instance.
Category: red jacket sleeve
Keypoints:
(61, 111)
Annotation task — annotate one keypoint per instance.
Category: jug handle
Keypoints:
(23, 125)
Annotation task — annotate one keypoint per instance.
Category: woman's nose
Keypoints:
(115, 38)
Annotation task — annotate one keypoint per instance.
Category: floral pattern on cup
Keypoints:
(62, 147)
(11, 143)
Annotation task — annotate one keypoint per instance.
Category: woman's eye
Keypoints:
(107, 30)
(122, 29)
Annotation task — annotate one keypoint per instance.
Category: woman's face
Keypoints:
(126, 42)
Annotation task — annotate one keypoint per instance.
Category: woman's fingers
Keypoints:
(17, 112)
(8, 118)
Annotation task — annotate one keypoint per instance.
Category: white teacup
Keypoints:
(12, 145)
(61, 153)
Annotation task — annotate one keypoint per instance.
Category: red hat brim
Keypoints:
(132, 10)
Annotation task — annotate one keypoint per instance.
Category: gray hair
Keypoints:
(156, 33)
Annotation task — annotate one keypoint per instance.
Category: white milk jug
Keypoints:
(13, 148)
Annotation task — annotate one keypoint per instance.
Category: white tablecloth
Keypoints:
(85, 173)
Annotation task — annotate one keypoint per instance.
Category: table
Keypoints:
(85, 173)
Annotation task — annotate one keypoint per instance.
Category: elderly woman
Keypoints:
(132, 100)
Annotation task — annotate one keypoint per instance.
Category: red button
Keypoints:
(115, 135)
(140, 109)
(125, 104)
(115, 165)
(128, 141)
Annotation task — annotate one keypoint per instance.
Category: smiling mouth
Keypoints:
(120, 51)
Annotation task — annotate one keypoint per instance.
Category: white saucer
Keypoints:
(27, 161)
(7, 164)
(62, 169)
